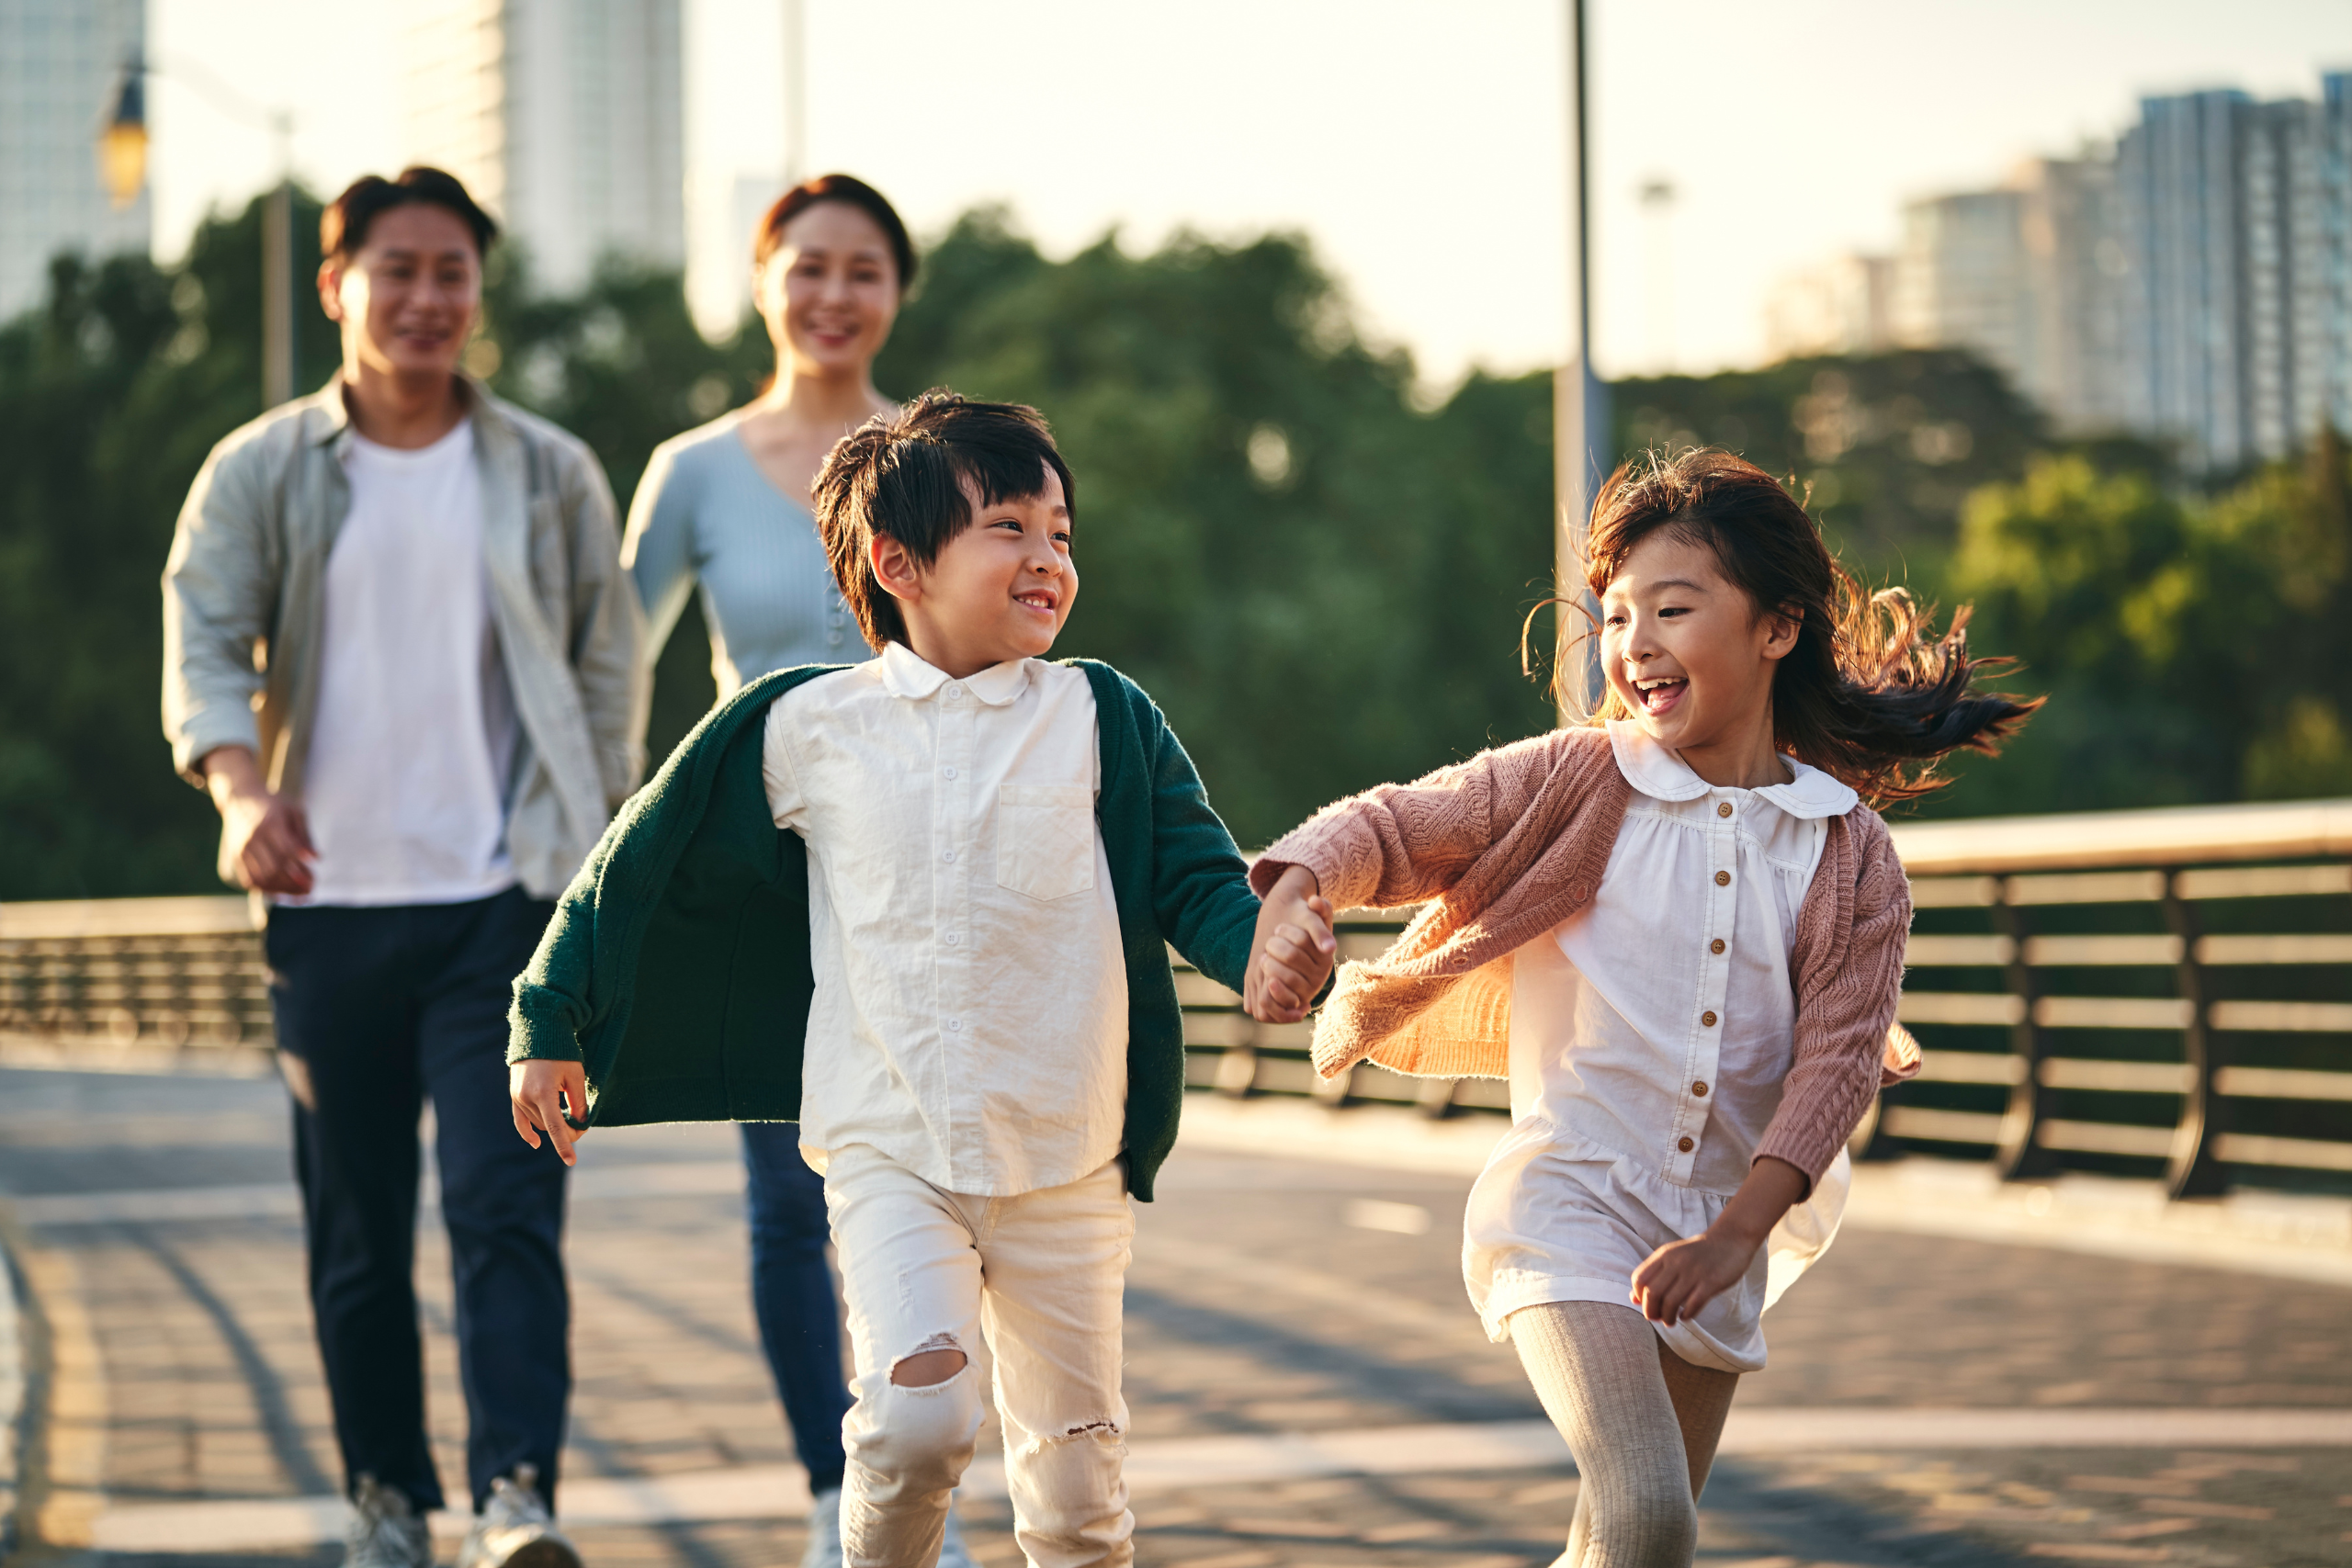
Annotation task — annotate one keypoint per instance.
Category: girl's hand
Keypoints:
(1680, 1278)
(1292, 953)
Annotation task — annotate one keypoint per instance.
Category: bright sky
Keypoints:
(1421, 148)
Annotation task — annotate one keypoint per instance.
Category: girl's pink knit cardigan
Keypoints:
(1509, 844)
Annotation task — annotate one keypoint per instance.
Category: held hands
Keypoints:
(542, 1092)
(1294, 950)
(1682, 1277)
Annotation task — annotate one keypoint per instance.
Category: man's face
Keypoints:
(409, 297)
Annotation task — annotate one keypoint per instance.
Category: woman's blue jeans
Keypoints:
(794, 1295)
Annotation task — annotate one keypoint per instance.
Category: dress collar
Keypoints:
(1664, 776)
(905, 673)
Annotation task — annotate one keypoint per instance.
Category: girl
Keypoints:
(1678, 930)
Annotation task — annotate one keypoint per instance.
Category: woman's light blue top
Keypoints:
(705, 515)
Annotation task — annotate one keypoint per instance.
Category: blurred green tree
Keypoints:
(1321, 584)
(110, 395)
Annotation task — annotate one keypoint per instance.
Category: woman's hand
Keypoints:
(1679, 1279)
(1293, 952)
(542, 1092)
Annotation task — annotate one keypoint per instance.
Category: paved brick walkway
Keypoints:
(1268, 1296)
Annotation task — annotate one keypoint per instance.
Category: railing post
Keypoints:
(2194, 1170)
(2019, 1155)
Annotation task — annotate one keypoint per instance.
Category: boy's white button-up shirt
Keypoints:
(971, 1014)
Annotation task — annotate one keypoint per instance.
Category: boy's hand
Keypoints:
(535, 1088)
(1291, 954)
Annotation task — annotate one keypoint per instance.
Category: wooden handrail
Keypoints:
(2171, 836)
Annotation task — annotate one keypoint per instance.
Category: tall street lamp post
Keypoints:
(1578, 401)
(122, 159)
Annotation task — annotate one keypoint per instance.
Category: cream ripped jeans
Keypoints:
(1043, 1274)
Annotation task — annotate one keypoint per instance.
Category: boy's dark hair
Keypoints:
(1870, 694)
(850, 191)
(903, 478)
(343, 227)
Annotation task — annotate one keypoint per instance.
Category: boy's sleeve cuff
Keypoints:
(539, 1027)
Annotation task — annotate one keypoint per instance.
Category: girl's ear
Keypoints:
(1781, 629)
(894, 569)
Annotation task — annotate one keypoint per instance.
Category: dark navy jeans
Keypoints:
(381, 1008)
(792, 1292)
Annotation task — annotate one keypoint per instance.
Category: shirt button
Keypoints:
(1700, 1088)
(1716, 945)
(954, 1026)
(1685, 1145)
(1722, 879)
(955, 693)
(1707, 1019)
(1724, 809)
(947, 772)
(955, 937)
(949, 857)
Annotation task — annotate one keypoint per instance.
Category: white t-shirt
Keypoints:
(414, 740)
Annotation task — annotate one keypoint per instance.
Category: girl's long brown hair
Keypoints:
(1870, 694)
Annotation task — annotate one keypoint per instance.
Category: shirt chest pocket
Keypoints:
(1045, 839)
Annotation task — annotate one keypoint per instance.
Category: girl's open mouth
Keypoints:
(1660, 695)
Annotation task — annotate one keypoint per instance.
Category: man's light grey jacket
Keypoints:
(244, 587)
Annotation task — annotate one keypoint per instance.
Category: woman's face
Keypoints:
(830, 291)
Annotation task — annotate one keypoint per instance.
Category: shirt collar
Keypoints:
(905, 673)
(1662, 775)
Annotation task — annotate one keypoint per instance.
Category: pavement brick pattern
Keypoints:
(1267, 1295)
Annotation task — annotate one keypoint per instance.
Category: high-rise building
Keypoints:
(2237, 338)
(61, 64)
(563, 116)
(2071, 261)
(1959, 278)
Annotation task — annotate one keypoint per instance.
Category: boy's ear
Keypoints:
(894, 569)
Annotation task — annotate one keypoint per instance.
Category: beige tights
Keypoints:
(1641, 1421)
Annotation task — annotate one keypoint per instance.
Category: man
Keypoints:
(401, 654)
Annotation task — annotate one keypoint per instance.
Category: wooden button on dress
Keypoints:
(1716, 945)
(1685, 1145)
(1700, 1088)
(1707, 1019)
(1724, 809)
(1722, 879)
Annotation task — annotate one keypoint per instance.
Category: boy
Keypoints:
(950, 968)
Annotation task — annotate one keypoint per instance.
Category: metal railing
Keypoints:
(2129, 990)
(2138, 991)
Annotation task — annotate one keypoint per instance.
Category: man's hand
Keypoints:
(1682, 1277)
(542, 1091)
(267, 838)
(1294, 950)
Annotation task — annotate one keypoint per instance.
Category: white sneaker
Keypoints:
(824, 1547)
(515, 1530)
(384, 1531)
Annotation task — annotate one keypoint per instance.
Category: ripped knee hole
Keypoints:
(931, 1363)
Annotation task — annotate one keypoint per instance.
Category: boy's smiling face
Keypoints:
(999, 590)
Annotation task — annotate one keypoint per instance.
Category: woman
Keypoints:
(725, 508)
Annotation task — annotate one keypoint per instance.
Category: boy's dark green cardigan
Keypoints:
(677, 968)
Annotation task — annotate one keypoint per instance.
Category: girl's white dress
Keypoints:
(1649, 1034)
